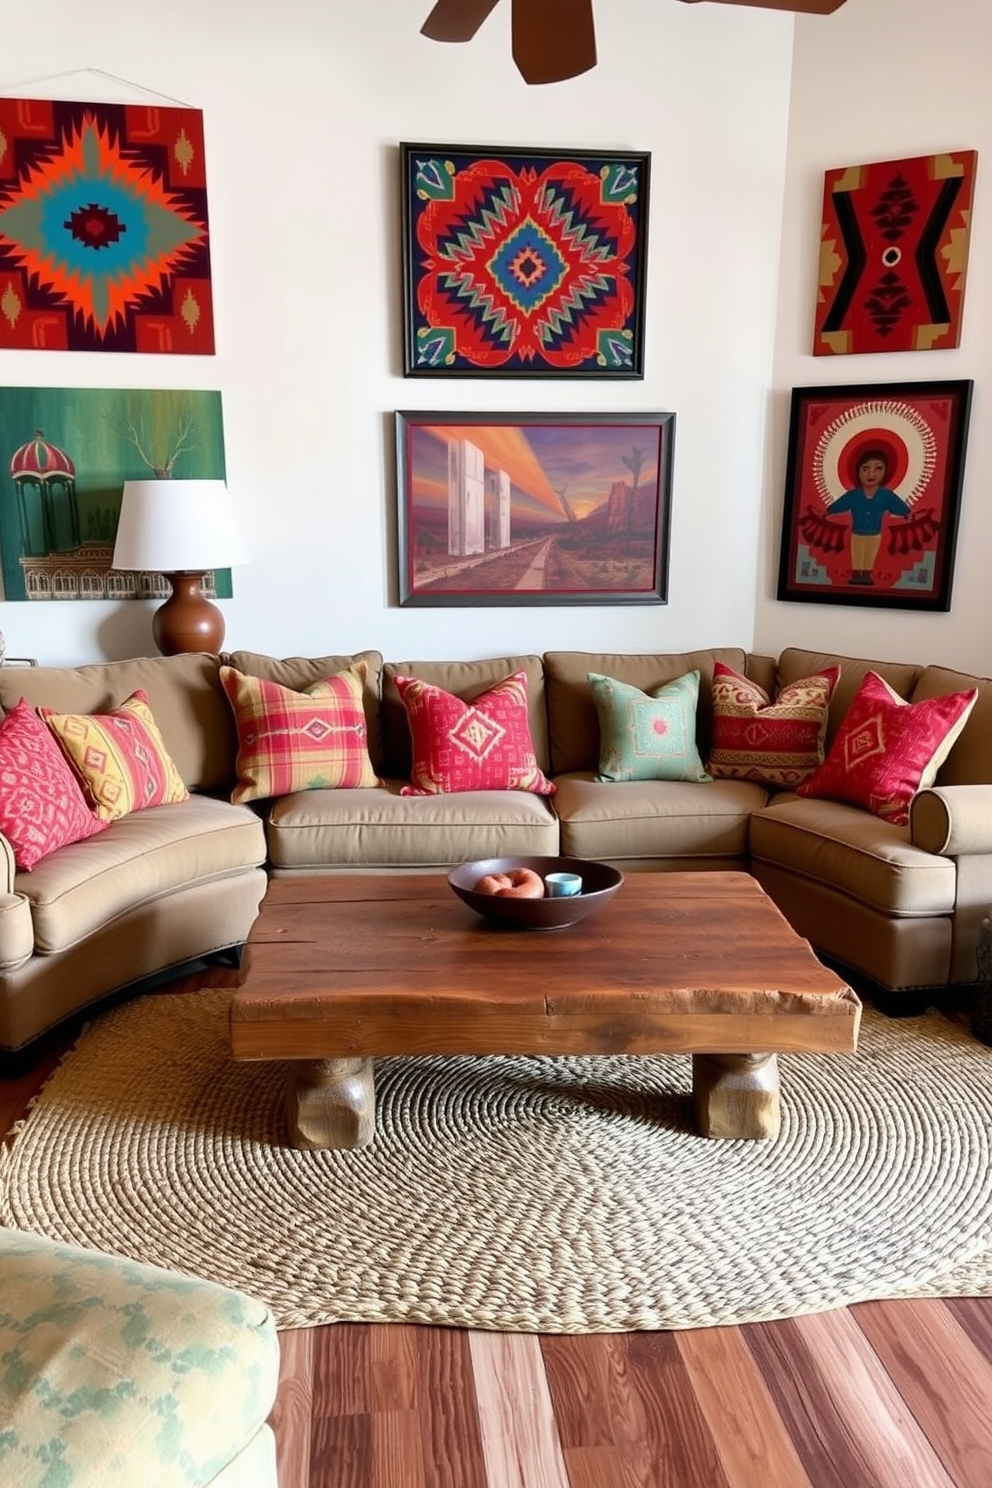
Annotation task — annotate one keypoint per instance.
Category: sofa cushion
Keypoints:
(970, 759)
(573, 725)
(482, 744)
(292, 741)
(647, 736)
(140, 857)
(465, 679)
(773, 743)
(855, 853)
(118, 1373)
(120, 757)
(184, 694)
(299, 672)
(887, 749)
(41, 802)
(795, 663)
(369, 829)
(654, 818)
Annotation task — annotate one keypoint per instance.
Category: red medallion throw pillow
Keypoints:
(291, 741)
(482, 745)
(887, 749)
(773, 743)
(42, 806)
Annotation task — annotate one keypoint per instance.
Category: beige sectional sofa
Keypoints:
(900, 906)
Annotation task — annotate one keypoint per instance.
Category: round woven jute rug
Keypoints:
(523, 1194)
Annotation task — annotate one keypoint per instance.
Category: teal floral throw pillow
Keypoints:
(647, 736)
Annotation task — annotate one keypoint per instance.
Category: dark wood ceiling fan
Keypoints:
(555, 39)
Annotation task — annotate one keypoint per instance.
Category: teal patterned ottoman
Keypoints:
(120, 1375)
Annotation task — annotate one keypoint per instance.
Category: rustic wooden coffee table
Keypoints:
(341, 969)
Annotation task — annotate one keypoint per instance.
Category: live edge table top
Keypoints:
(357, 965)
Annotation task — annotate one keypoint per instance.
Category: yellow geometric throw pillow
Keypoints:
(120, 757)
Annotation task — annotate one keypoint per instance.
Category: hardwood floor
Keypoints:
(881, 1395)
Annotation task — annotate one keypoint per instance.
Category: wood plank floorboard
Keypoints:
(881, 1395)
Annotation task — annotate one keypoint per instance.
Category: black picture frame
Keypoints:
(918, 433)
(533, 508)
(523, 262)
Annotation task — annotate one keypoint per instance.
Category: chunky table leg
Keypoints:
(330, 1103)
(736, 1095)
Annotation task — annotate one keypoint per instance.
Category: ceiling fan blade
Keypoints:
(553, 39)
(456, 20)
(799, 7)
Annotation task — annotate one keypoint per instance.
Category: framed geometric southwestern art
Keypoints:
(894, 254)
(523, 263)
(533, 508)
(104, 241)
(872, 494)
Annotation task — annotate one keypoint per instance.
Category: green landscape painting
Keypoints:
(65, 454)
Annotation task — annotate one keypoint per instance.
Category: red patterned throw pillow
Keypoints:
(887, 749)
(773, 743)
(42, 806)
(290, 741)
(481, 745)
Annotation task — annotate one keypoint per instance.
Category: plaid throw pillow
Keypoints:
(887, 749)
(120, 757)
(290, 741)
(773, 743)
(484, 744)
(41, 802)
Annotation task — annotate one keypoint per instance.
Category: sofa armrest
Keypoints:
(8, 868)
(16, 931)
(952, 820)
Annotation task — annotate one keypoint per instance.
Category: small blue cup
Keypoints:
(562, 885)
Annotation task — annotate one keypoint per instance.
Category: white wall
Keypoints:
(304, 103)
(886, 80)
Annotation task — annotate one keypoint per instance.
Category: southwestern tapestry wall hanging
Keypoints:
(65, 454)
(894, 254)
(103, 228)
(873, 489)
(523, 263)
(534, 508)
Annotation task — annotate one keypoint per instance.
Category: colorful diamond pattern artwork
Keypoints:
(524, 263)
(104, 242)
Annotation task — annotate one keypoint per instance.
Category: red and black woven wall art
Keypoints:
(523, 263)
(104, 242)
(894, 254)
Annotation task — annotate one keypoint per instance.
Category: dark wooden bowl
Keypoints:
(599, 884)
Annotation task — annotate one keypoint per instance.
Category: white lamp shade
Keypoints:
(178, 526)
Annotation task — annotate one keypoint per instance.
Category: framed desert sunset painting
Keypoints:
(533, 509)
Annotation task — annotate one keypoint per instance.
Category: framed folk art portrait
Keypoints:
(533, 508)
(894, 254)
(872, 494)
(523, 262)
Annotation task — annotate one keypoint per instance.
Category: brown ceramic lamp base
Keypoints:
(188, 621)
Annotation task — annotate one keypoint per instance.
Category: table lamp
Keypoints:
(181, 529)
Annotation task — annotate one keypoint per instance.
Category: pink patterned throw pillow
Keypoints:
(772, 743)
(484, 744)
(42, 806)
(887, 749)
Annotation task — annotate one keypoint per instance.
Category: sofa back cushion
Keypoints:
(573, 723)
(300, 672)
(970, 761)
(796, 663)
(184, 695)
(465, 679)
